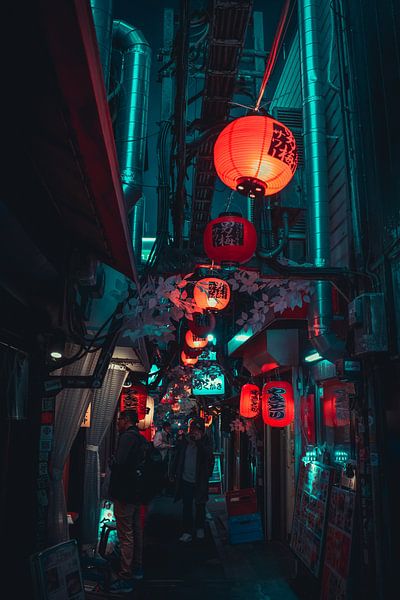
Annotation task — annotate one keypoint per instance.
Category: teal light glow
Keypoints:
(147, 244)
(314, 356)
(341, 456)
(310, 455)
(154, 369)
(211, 338)
(240, 338)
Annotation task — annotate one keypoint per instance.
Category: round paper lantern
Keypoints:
(249, 401)
(202, 323)
(277, 403)
(191, 352)
(187, 360)
(230, 239)
(135, 398)
(256, 155)
(148, 418)
(193, 341)
(212, 293)
(335, 407)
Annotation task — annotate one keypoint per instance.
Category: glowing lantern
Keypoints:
(201, 324)
(135, 398)
(176, 407)
(187, 360)
(148, 418)
(212, 293)
(336, 407)
(277, 403)
(256, 155)
(249, 401)
(193, 341)
(230, 239)
(191, 352)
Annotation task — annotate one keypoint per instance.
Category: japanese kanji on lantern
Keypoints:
(256, 155)
(135, 398)
(249, 401)
(194, 341)
(187, 360)
(212, 293)
(230, 238)
(277, 403)
(202, 323)
(335, 403)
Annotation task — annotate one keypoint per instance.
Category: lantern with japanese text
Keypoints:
(193, 341)
(187, 360)
(135, 398)
(212, 293)
(146, 422)
(256, 155)
(277, 403)
(202, 323)
(230, 239)
(335, 405)
(249, 401)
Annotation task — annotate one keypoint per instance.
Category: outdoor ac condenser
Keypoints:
(367, 317)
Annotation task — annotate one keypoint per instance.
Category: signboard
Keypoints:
(57, 574)
(208, 383)
(215, 481)
(310, 513)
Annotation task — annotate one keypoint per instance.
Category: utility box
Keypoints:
(367, 318)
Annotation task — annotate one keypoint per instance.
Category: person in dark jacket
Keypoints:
(130, 452)
(192, 467)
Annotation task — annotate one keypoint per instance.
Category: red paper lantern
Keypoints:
(230, 238)
(212, 293)
(187, 360)
(277, 403)
(135, 398)
(256, 155)
(249, 401)
(335, 405)
(191, 352)
(202, 323)
(193, 341)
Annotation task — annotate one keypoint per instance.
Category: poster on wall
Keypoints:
(57, 574)
(310, 514)
(338, 544)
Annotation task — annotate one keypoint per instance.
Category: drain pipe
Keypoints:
(102, 16)
(320, 313)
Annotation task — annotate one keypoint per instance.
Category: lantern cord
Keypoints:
(276, 44)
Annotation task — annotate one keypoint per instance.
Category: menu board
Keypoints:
(57, 574)
(310, 513)
(338, 544)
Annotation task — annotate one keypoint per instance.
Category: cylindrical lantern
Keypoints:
(249, 401)
(148, 418)
(187, 360)
(193, 341)
(230, 238)
(212, 293)
(336, 407)
(202, 323)
(135, 398)
(256, 155)
(277, 403)
(191, 352)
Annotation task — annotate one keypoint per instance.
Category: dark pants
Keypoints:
(200, 512)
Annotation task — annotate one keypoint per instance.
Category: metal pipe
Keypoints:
(102, 17)
(320, 315)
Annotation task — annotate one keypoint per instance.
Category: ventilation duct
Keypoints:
(320, 314)
(102, 17)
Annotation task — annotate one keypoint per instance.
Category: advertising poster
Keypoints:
(57, 573)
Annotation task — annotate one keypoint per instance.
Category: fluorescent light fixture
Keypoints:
(242, 337)
(313, 357)
(56, 354)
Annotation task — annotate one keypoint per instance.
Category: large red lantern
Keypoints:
(135, 398)
(187, 360)
(256, 155)
(193, 341)
(230, 239)
(202, 323)
(277, 403)
(211, 293)
(249, 401)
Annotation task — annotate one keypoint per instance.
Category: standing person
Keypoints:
(130, 453)
(163, 442)
(192, 468)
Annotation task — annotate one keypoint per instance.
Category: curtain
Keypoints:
(104, 404)
(70, 409)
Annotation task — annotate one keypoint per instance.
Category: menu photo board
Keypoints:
(310, 514)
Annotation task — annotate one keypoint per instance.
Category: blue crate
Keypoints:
(245, 528)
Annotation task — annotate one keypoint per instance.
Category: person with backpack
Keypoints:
(126, 493)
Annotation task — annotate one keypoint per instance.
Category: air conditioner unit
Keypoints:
(367, 317)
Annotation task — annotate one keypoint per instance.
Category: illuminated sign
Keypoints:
(208, 383)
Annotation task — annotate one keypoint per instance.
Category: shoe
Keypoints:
(186, 537)
(138, 573)
(200, 534)
(122, 586)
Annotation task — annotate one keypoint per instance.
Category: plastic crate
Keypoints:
(245, 528)
(241, 502)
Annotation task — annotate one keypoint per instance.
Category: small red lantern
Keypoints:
(256, 155)
(277, 403)
(230, 239)
(336, 409)
(193, 341)
(135, 398)
(202, 323)
(249, 401)
(191, 352)
(212, 293)
(187, 360)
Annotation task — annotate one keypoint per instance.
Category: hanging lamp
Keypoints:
(212, 293)
(194, 341)
(249, 401)
(202, 323)
(277, 403)
(230, 238)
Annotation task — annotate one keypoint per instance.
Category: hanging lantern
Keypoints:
(202, 323)
(256, 155)
(187, 360)
(148, 418)
(249, 401)
(335, 405)
(193, 341)
(277, 403)
(191, 352)
(230, 239)
(135, 398)
(212, 293)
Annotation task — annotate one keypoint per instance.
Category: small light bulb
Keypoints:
(240, 187)
(56, 354)
(212, 302)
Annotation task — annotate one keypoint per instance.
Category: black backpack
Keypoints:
(126, 481)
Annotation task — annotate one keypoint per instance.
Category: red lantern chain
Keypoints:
(230, 239)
